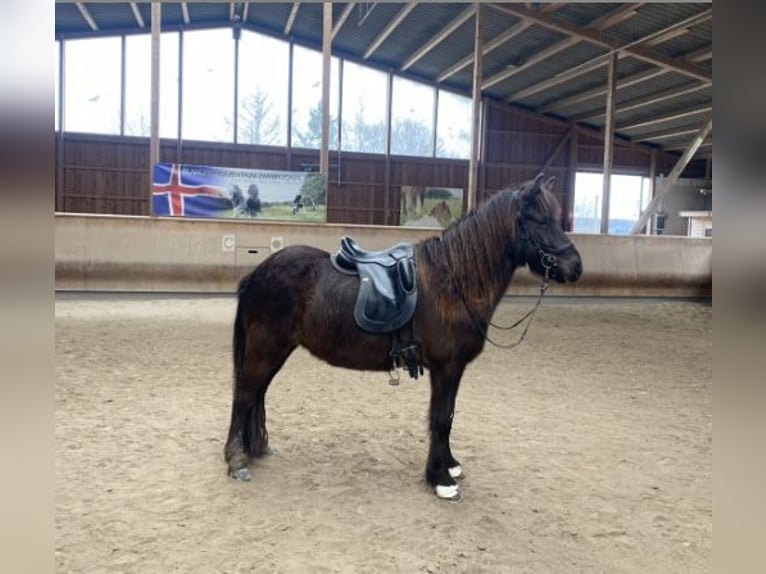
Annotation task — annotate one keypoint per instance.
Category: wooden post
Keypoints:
(387, 174)
(122, 83)
(179, 131)
(476, 119)
(572, 178)
(154, 140)
(324, 153)
(59, 205)
(608, 142)
(652, 180)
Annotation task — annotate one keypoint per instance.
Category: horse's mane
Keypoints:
(474, 254)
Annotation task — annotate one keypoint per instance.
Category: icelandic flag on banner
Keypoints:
(188, 191)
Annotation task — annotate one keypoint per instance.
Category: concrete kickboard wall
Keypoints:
(123, 253)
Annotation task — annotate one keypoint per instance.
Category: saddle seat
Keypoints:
(387, 292)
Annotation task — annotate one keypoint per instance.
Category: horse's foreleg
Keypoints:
(442, 468)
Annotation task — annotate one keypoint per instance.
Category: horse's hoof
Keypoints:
(456, 472)
(241, 474)
(450, 492)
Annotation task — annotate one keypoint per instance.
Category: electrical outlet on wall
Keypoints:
(276, 244)
(228, 243)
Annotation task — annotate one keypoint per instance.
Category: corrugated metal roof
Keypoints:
(68, 18)
(423, 22)
(653, 16)
(538, 86)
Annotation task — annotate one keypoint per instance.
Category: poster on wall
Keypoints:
(182, 190)
(430, 206)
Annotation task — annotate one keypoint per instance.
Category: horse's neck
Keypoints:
(492, 292)
(483, 271)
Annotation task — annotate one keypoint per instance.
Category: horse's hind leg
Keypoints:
(442, 468)
(248, 437)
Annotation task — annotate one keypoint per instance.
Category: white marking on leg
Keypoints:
(450, 492)
(456, 471)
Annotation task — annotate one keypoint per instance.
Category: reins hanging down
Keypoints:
(529, 314)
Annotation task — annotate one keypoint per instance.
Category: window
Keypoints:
(138, 82)
(56, 83)
(263, 74)
(628, 197)
(307, 99)
(92, 85)
(364, 109)
(453, 126)
(412, 118)
(208, 90)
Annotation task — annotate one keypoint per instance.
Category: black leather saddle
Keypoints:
(387, 286)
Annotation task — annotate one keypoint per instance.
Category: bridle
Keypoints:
(549, 261)
(548, 255)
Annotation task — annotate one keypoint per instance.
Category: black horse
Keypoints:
(250, 205)
(297, 297)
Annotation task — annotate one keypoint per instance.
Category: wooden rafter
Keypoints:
(458, 21)
(85, 13)
(600, 39)
(643, 101)
(669, 117)
(490, 46)
(291, 18)
(389, 29)
(137, 15)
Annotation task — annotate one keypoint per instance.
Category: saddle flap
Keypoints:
(382, 306)
(406, 274)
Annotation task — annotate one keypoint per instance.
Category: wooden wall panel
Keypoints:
(109, 174)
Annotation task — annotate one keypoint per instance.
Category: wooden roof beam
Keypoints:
(490, 46)
(85, 13)
(643, 101)
(625, 82)
(700, 55)
(137, 15)
(625, 12)
(461, 19)
(291, 18)
(665, 134)
(343, 17)
(389, 29)
(633, 49)
(669, 117)
(598, 24)
(598, 62)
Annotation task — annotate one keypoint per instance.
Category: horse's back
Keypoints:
(281, 283)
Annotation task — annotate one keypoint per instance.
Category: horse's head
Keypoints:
(542, 243)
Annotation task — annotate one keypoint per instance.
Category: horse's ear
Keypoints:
(534, 186)
(549, 182)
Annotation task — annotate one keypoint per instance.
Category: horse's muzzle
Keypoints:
(566, 271)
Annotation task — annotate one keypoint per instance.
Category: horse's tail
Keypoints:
(251, 415)
(240, 334)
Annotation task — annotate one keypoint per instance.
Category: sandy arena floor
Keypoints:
(586, 449)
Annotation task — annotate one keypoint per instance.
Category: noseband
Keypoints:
(548, 255)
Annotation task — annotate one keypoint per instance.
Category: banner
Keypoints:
(430, 206)
(180, 190)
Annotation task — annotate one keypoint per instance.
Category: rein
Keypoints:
(549, 261)
(529, 314)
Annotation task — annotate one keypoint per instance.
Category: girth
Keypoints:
(387, 284)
